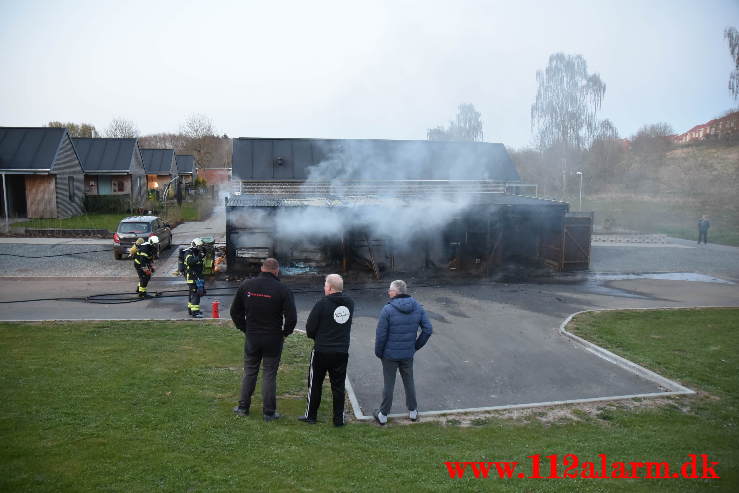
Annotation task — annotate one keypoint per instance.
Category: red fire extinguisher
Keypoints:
(214, 309)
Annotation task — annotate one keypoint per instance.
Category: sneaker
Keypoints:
(241, 411)
(272, 417)
(413, 415)
(380, 418)
(308, 421)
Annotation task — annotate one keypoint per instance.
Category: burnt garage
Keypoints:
(392, 206)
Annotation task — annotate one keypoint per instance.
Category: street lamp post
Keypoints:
(579, 173)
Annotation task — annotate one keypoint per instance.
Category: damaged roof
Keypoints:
(367, 159)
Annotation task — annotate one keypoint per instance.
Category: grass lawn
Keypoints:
(674, 218)
(84, 221)
(146, 406)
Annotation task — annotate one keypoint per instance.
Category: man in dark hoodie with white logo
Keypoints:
(329, 325)
(396, 341)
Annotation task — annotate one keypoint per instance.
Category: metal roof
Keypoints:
(103, 154)
(30, 148)
(158, 161)
(185, 164)
(365, 159)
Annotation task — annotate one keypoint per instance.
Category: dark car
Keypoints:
(132, 228)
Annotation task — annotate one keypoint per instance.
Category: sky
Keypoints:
(372, 69)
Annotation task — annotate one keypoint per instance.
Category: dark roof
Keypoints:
(98, 154)
(327, 159)
(31, 148)
(185, 164)
(157, 161)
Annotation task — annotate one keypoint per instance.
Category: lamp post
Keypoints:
(579, 173)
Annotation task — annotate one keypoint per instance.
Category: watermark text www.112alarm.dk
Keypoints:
(569, 466)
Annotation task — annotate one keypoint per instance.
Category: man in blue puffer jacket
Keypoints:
(396, 341)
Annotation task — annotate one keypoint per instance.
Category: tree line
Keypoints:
(197, 136)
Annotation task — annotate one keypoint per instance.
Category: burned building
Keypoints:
(401, 206)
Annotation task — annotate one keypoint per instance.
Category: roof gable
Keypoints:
(158, 161)
(29, 148)
(185, 163)
(105, 155)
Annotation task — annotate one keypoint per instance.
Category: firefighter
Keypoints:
(193, 264)
(143, 261)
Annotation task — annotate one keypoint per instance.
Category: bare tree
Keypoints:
(565, 112)
(122, 128)
(197, 126)
(732, 36)
(467, 126)
(75, 129)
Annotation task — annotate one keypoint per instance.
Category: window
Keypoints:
(119, 185)
(71, 188)
(137, 228)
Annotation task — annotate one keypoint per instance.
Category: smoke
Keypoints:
(392, 208)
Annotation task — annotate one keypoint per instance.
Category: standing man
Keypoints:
(396, 341)
(329, 325)
(703, 225)
(264, 310)
(143, 262)
(193, 266)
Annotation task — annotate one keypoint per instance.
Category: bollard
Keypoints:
(214, 309)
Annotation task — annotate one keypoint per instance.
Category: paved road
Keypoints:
(494, 344)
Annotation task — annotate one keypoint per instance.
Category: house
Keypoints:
(186, 167)
(113, 167)
(160, 166)
(42, 174)
(215, 176)
(717, 128)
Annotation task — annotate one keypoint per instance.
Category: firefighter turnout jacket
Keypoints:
(144, 256)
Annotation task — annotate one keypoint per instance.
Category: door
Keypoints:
(578, 230)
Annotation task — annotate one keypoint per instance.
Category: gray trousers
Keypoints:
(267, 351)
(389, 369)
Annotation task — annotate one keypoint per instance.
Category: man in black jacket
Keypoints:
(264, 310)
(329, 325)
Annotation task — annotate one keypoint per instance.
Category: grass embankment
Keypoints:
(673, 217)
(142, 406)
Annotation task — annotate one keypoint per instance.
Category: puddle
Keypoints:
(662, 276)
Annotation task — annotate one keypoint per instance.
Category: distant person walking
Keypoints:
(264, 310)
(397, 339)
(703, 225)
(329, 325)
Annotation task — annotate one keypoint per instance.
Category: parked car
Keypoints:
(134, 227)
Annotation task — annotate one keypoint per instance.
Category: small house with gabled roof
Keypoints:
(186, 167)
(160, 167)
(113, 167)
(42, 174)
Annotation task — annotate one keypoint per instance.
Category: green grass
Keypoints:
(84, 221)
(146, 406)
(671, 217)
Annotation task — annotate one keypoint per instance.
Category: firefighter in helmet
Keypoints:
(143, 261)
(193, 265)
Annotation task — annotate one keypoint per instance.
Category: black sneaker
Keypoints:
(308, 421)
(241, 411)
(272, 417)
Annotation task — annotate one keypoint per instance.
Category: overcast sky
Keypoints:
(350, 69)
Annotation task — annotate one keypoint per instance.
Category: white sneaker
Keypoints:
(413, 415)
(380, 418)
